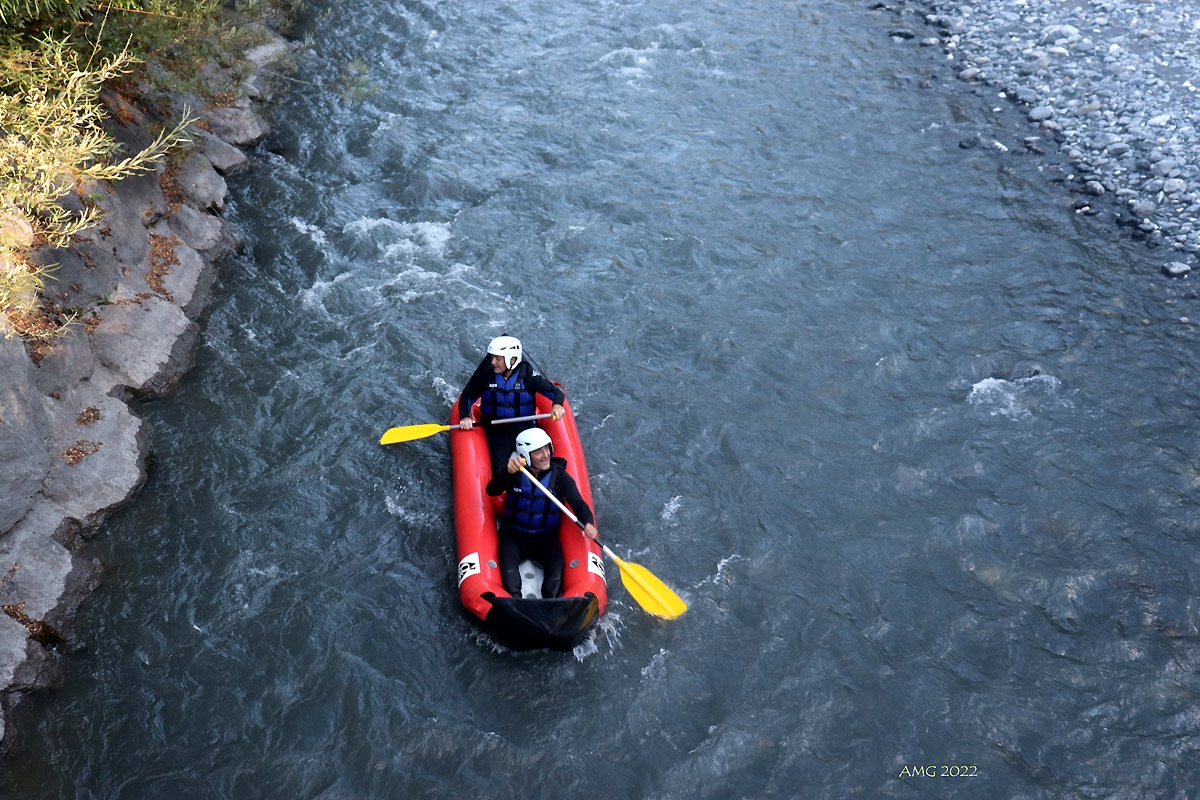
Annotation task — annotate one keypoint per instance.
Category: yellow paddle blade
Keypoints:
(650, 593)
(410, 432)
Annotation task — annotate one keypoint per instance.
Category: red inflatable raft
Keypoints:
(525, 623)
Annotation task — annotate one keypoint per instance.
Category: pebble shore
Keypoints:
(1112, 85)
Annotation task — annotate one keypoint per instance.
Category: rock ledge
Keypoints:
(71, 450)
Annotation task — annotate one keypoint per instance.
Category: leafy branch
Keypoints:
(52, 137)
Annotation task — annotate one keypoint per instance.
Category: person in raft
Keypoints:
(529, 520)
(505, 385)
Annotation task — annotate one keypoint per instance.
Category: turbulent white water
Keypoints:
(912, 438)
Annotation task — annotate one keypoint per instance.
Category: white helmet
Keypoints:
(530, 440)
(508, 347)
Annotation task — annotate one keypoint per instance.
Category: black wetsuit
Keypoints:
(528, 381)
(529, 524)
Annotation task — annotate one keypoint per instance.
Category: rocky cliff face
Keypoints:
(71, 451)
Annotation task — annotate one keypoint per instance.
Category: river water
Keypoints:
(913, 438)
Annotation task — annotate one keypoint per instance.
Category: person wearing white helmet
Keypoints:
(528, 519)
(506, 386)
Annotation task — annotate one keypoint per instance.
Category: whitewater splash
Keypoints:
(671, 508)
(312, 231)
(404, 240)
(1015, 399)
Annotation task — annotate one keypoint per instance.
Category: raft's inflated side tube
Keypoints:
(523, 623)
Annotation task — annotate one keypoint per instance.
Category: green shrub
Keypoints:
(51, 137)
(160, 29)
(54, 57)
(23, 20)
(19, 13)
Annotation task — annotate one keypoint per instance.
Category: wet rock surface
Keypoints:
(71, 450)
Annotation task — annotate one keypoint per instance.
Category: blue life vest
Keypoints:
(528, 510)
(507, 398)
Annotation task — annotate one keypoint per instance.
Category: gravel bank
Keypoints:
(1113, 85)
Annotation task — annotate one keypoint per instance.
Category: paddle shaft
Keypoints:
(517, 419)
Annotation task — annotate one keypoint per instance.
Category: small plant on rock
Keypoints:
(51, 137)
